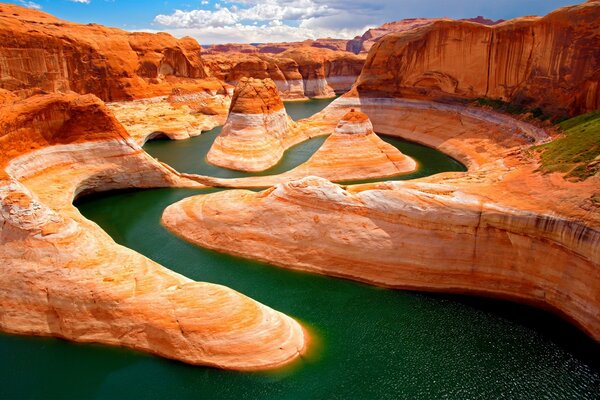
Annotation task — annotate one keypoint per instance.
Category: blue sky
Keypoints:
(243, 21)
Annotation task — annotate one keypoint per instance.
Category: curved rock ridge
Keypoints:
(550, 62)
(351, 152)
(63, 276)
(501, 229)
(257, 128)
(181, 115)
(39, 50)
(354, 151)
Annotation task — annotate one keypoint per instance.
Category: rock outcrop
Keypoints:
(549, 62)
(63, 276)
(352, 152)
(283, 71)
(179, 116)
(39, 50)
(501, 229)
(362, 44)
(257, 128)
(298, 72)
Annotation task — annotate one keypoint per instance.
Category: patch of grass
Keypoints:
(510, 108)
(577, 152)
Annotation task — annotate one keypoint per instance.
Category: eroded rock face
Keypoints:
(362, 44)
(257, 128)
(63, 276)
(39, 50)
(550, 62)
(501, 229)
(299, 71)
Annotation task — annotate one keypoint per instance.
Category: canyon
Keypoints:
(503, 228)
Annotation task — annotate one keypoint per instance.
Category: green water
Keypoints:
(190, 155)
(371, 342)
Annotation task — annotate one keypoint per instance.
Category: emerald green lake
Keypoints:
(370, 342)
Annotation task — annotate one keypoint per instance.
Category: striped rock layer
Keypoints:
(63, 276)
(501, 229)
(257, 128)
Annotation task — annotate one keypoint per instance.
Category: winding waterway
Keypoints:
(369, 342)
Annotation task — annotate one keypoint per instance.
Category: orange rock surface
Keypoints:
(179, 116)
(501, 229)
(362, 44)
(39, 50)
(298, 71)
(351, 152)
(257, 128)
(550, 62)
(63, 276)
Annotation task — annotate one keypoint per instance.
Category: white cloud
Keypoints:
(81, 1)
(263, 33)
(30, 4)
(246, 21)
(266, 10)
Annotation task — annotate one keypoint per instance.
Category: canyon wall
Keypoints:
(298, 72)
(502, 229)
(63, 276)
(551, 63)
(38, 50)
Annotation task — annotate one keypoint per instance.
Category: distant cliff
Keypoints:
(38, 50)
(551, 62)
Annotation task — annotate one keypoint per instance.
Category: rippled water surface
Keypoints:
(368, 342)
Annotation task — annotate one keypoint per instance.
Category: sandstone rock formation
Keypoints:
(502, 229)
(39, 50)
(324, 71)
(63, 276)
(179, 116)
(283, 71)
(299, 72)
(362, 44)
(257, 128)
(352, 152)
(550, 62)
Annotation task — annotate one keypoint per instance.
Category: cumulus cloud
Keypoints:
(275, 31)
(81, 1)
(276, 20)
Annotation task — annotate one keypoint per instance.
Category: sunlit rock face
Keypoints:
(549, 62)
(299, 71)
(38, 50)
(63, 276)
(353, 151)
(257, 128)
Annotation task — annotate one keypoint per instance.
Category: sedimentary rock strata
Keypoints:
(362, 44)
(178, 116)
(39, 50)
(299, 71)
(257, 128)
(487, 231)
(549, 62)
(324, 71)
(63, 276)
(351, 152)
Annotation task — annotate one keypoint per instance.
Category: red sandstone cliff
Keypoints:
(298, 72)
(362, 44)
(39, 50)
(551, 62)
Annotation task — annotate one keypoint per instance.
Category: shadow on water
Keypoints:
(373, 342)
